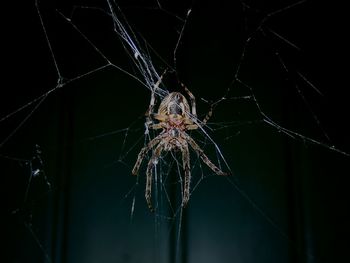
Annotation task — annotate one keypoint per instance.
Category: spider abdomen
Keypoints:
(175, 108)
(174, 104)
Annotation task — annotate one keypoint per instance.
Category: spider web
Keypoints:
(79, 124)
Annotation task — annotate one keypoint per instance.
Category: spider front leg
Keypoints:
(204, 122)
(193, 100)
(194, 110)
(209, 114)
(149, 111)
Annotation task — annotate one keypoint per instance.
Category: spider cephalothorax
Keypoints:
(174, 117)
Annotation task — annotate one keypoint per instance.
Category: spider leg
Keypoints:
(143, 152)
(192, 98)
(207, 117)
(194, 111)
(192, 127)
(151, 163)
(203, 156)
(186, 167)
(149, 111)
(205, 120)
(157, 126)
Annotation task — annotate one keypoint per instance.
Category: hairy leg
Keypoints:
(187, 169)
(192, 98)
(152, 103)
(151, 164)
(207, 117)
(203, 156)
(143, 152)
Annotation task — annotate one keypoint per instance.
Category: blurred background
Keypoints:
(72, 125)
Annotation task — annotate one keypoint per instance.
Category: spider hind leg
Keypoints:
(151, 164)
(187, 179)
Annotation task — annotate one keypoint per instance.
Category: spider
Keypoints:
(175, 118)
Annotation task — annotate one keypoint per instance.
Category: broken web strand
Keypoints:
(38, 242)
(180, 38)
(303, 98)
(61, 82)
(267, 120)
(125, 150)
(35, 170)
(168, 214)
(35, 166)
(265, 117)
(130, 42)
(138, 55)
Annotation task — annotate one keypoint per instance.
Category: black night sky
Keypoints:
(72, 124)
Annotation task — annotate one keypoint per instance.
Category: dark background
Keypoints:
(287, 200)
